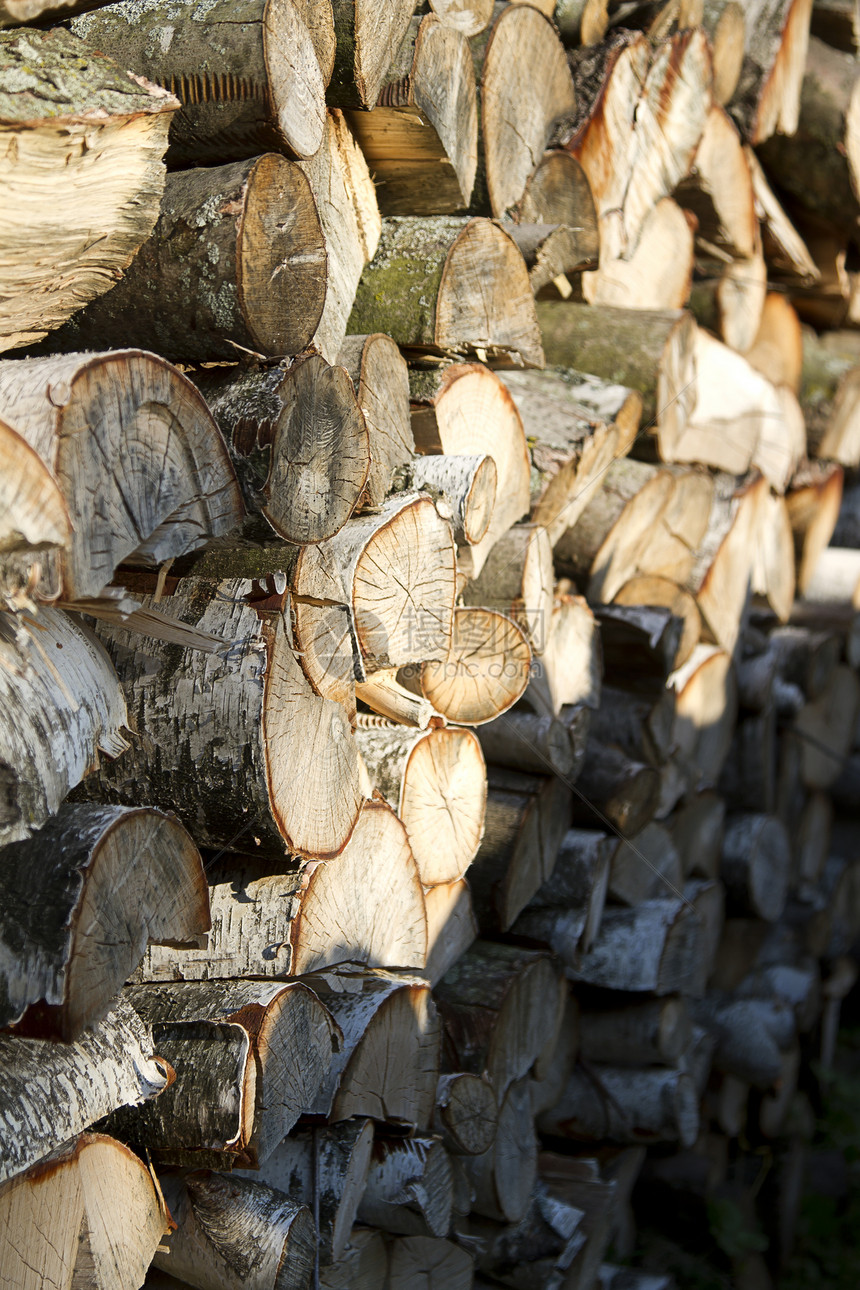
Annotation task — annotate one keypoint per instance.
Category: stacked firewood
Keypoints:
(427, 591)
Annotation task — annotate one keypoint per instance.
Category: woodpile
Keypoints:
(429, 632)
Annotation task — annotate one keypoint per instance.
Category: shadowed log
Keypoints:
(451, 926)
(613, 787)
(367, 42)
(697, 832)
(651, 949)
(719, 189)
(565, 913)
(552, 251)
(767, 98)
(705, 712)
(109, 880)
(662, 593)
(364, 1265)
(652, 1105)
(504, 1176)
(247, 82)
(381, 380)
(35, 523)
(581, 22)
(83, 148)
(755, 865)
(409, 1188)
(645, 866)
(428, 1261)
(638, 641)
(654, 1033)
(466, 1114)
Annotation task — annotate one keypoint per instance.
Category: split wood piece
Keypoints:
(827, 727)
(233, 1234)
(640, 645)
(755, 865)
(751, 1034)
(613, 787)
(708, 900)
(61, 705)
(645, 866)
(137, 457)
(725, 24)
(485, 671)
(368, 39)
(576, 426)
(578, 885)
(421, 139)
(799, 986)
(388, 1064)
(835, 581)
(557, 194)
(35, 522)
(428, 1262)
(706, 709)
(236, 265)
(658, 18)
(652, 948)
(298, 440)
(777, 351)
(250, 1057)
(109, 880)
(639, 119)
(69, 111)
(332, 1162)
(246, 84)
(581, 22)
(658, 274)
(91, 1214)
(518, 114)
(465, 409)
(113, 1064)
(542, 1248)
(467, 16)
(826, 144)
(830, 398)
(452, 286)
(649, 351)
(815, 512)
(626, 1105)
(201, 719)
(728, 297)
(363, 1266)
(552, 1072)
(749, 777)
(527, 817)
(465, 489)
(504, 1176)
(451, 926)
(837, 22)
(517, 580)
(467, 1113)
(640, 725)
(653, 1033)
(388, 580)
(643, 522)
(381, 380)
(570, 668)
(498, 1006)
(785, 250)
(812, 844)
(767, 98)
(773, 573)
(719, 190)
(554, 251)
(720, 577)
(409, 1188)
(318, 915)
(436, 781)
(345, 199)
(525, 741)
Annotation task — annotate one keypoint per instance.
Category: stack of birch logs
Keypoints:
(430, 589)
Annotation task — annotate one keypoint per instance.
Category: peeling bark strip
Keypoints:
(90, 1215)
(451, 286)
(137, 456)
(381, 380)
(109, 879)
(218, 1103)
(236, 263)
(247, 74)
(110, 1066)
(313, 918)
(436, 781)
(233, 1234)
(34, 523)
(421, 139)
(203, 719)
(61, 704)
(67, 111)
(388, 1065)
(330, 1162)
(652, 948)
(298, 440)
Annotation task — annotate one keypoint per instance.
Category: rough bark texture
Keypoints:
(409, 1188)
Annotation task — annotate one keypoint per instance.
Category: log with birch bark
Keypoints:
(136, 454)
(200, 718)
(68, 111)
(465, 487)
(248, 82)
(110, 880)
(503, 1177)
(651, 948)
(626, 1105)
(613, 787)
(450, 286)
(767, 98)
(421, 139)
(577, 886)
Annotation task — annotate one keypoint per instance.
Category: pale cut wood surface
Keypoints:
(66, 111)
(35, 523)
(381, 381)
(368, 38)
(485, 670)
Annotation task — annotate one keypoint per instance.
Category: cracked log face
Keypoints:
(249, 80)
(67, 111)
(436, 781)
(92, 1211)
(109, 879)
(137, 456)
(34, 522)
(315, 917)
(484, 672)
(368, 38)
(201, 719)
(467, 16)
